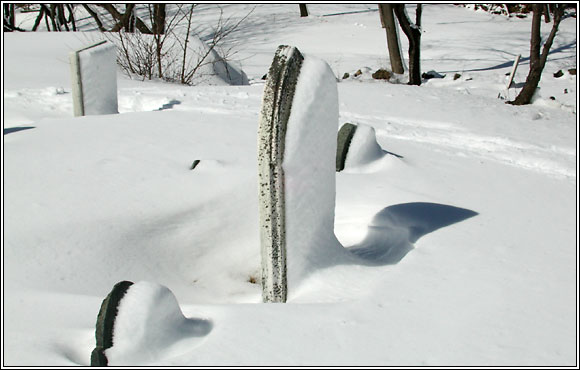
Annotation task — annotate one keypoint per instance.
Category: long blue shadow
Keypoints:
(395, 229)
(10, 130)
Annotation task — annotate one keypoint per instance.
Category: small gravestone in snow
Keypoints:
(94, 80)
(296, 157)
(357, 146)
(344, 138)
(106, 322)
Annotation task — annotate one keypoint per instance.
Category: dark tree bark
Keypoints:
(71, 16)
(95, 17)
(126, 22)
(537, 60)
(388, 22)
(9, 19)
(61, 17)
(158, 19)
(303, 10)
(38, 19)
(53, 19)
(413, 33)
(546, 13)
(12, 15)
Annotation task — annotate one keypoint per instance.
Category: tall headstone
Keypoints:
(94, 79)
(276, 106)
(296, 169)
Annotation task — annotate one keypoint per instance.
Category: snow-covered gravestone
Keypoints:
(94, 79)
(106, 322)
(356, 146)
(296, 169)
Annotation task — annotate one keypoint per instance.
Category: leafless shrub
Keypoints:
(173, 53)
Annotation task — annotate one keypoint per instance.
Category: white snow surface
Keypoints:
(462, 236)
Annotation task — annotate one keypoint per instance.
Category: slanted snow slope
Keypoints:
(465, 229)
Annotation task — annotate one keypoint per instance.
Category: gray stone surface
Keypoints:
(94, 80)
(194, 164)
(276, 106)
(344, 138)
(106, 323)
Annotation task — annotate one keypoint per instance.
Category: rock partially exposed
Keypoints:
(106, 323)
(381, 74)
(344, 138)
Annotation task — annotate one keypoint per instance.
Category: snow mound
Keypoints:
(150, 327)
(309, 171)
(363, 148)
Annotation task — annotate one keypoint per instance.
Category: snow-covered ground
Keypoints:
(466, 221)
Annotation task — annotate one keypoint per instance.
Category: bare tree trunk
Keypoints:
(9, 23)
(303, 10)
(158, 19)
(537, 61)
(546, 13)
(413, 33)
(123, 20)
(388, 21)
(38, 19)
(95, 17)
(61, 18)
(53, 19)
(142, 27)
(71, 16)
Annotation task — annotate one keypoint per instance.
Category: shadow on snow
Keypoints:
(394, 230)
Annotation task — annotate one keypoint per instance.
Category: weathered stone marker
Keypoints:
(344, 138)
(94, 80)
(106, 323)
(513, 72)
(276, 106)
(296, 170)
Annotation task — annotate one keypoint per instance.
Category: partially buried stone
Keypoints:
(572, 71)
(344, 138)
(559, 74)
(194, 164)
(276, 106)
(106, 323)
(381, 74)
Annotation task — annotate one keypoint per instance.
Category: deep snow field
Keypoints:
(469, 211)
